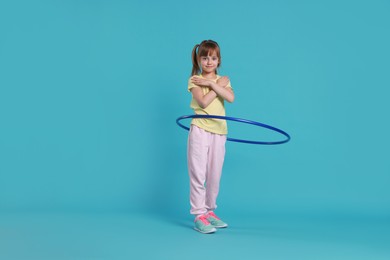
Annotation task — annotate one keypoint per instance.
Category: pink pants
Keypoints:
(205, 154)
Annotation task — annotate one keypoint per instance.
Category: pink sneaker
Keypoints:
(203, 225)
(215, 221)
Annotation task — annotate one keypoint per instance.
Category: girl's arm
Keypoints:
(203, 100)
(218, 88)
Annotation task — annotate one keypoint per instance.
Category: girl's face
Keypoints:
(209, 63)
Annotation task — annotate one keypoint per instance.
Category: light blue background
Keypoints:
(90, 90)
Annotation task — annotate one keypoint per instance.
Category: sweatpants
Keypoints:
(205, 155)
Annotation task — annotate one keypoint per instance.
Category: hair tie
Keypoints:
(197, 48)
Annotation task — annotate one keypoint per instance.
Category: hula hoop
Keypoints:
(246, 121)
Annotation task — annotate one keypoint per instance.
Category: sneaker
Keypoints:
(203, 226)
(215, 221)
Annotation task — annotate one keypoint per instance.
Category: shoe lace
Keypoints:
(213, 215)
(204, 220)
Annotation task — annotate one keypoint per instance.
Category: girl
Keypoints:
(207, 137)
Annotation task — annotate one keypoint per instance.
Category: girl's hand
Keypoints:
(202, 82)
(223, 81)
(216, 89)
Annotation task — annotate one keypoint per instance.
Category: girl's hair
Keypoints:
(203, 49)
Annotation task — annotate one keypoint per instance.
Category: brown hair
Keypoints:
(204, 48)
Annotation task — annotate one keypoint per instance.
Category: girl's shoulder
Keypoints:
(221, 76)
(190, 77)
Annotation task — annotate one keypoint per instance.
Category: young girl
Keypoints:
(207, 137)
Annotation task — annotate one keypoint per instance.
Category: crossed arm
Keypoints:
(216, 89)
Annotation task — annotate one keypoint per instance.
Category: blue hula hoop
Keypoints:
(246, 121)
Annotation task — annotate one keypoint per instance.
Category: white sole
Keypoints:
(212, 231)
(225, 226)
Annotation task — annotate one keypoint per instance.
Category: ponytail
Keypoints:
(195, 64)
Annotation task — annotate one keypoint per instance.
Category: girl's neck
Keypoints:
(209, 75)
